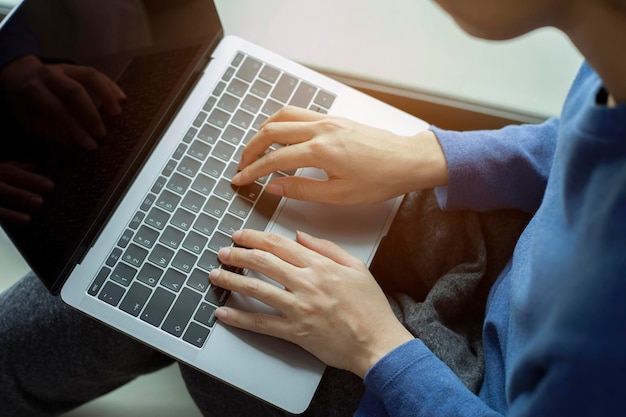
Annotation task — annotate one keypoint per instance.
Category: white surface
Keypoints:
(411, 44)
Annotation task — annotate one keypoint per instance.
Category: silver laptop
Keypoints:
(132, 230)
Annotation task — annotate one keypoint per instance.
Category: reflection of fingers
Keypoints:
(57, 114)
(25, 178)
(79, 106)
(106, 90)
(18, 197)
(8, 216)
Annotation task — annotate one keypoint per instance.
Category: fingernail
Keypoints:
(236, 235)
(215, 273)
(275, 189)
(221, 313)
(236, 178)
(224, 253)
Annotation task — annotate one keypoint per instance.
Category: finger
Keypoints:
(330, 250)
(8, 216)
(308, 189)
(255, 322)
(260, 290)
(282, 159)
(281, 247)
(79, 106)
(104, 88)
(282, 131)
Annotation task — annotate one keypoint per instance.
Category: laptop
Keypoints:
(132, 230)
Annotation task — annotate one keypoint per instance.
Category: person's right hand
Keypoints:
(60, 101)
(363, 164)
(21, 190)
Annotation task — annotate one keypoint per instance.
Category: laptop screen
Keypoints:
(152, 49)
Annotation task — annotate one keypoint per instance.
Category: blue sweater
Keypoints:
(555, 327)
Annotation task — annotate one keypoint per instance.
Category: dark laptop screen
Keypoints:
(152, 49)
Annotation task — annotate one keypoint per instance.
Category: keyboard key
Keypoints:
(231, 170)
(178, 184)
(228, 74)
(237, 60)
(237, 87)
(193, 201)
(250, 191)
(168, 200)
(158, 185)
(303, 95)
(200, 118)
(252, 104)
(161, 256)
(243, 120)
(196, 335)
(136, 220)
(210, 103)
(232, 134)
(111, 293)
(150, 274)
(217, 296)
(123, 274)
(205, 224)
(203, 184)
(195, 242)
(146, 236)
(260, 88)
(169, 168)
(213, 167)
(225, 190)
(285, 86)
(115, 255)
(223, 150)
(100, 278)
(240, 207)
(173, 280)
(184, 261)
(270, 107)
(219, 88)
(206, 315)
(215, 206)
(157, 218)
(230, 224)
(148, 202)
(191, 133)
(181, 313)
(208, 261)
(198, 280)
(135, 299)
(249, 69)
(263, 212)
(135, 255)
(189, 166)
(199, 150)
(324, 99)
(172, 237)
(228, 103)
(157, 307)
(179, 152)
(269, 74)
(209, 134)
(219, 241)
(183, 219)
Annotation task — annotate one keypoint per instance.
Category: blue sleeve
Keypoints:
(496, 169)
(411, 381)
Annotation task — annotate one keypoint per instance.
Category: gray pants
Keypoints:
(53, 359)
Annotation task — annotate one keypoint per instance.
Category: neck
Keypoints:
(598, 29)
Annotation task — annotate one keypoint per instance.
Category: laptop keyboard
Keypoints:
(158, 272)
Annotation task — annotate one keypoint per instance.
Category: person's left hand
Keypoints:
(330, 304)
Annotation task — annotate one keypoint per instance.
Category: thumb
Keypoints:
(305, 189)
